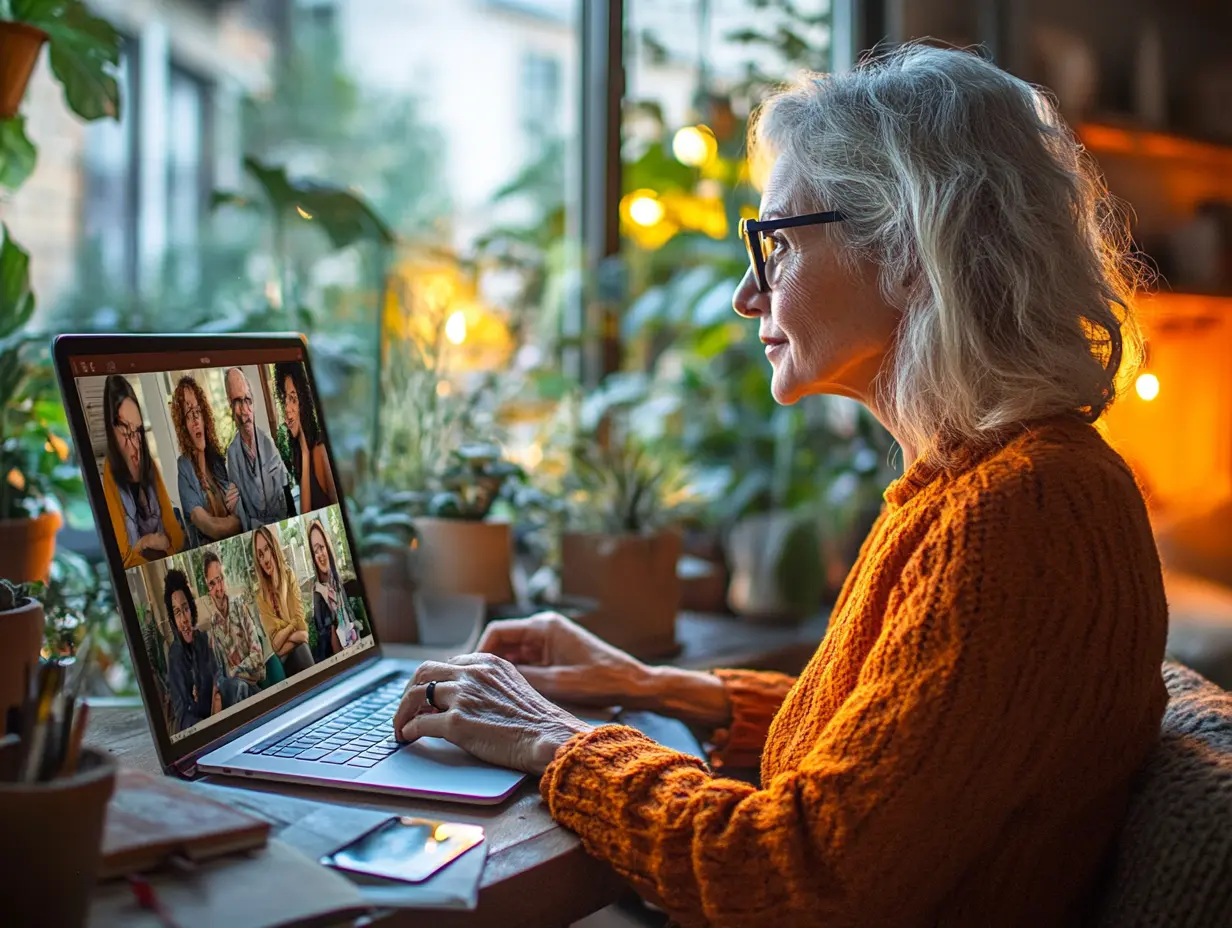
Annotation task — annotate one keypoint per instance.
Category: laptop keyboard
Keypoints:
(359, 734)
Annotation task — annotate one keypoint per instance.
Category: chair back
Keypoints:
(1172, 867)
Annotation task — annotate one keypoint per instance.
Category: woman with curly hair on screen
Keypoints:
(308, 456)
(279, 603)
(210, 502)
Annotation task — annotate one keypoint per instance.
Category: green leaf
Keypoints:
(84, 53)
(16, 300)
(342, 216)
(17, 153)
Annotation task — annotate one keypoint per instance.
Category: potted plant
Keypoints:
(622, 549)
(21, 624)
(460, 551)
(84, 50)
(385, 538)
(35, 473)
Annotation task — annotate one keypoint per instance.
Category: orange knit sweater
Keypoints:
(959, 748)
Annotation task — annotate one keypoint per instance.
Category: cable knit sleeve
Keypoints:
(755, 697)
(972, 697)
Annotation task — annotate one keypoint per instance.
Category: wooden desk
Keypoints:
(537, 873)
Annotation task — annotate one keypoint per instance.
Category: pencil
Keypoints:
(80, 717)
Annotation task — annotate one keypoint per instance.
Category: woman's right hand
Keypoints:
(568, 664)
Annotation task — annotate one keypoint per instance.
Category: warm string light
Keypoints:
(1147, 386)
(645, 208)
(694, 145)
(455, 327)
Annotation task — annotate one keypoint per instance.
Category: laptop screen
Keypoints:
(222, 503)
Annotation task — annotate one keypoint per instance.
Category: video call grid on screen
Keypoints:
(221, 502)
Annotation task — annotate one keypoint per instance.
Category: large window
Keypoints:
(109, 201)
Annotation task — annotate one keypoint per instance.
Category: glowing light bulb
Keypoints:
(646, 210)
(694, 145)
(455, 327)
(1147, 386)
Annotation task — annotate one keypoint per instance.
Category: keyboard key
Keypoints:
(289, 752)
(364, 762)
(314, 754)
(339, 757)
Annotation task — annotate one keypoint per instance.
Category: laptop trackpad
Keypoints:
(432, 765)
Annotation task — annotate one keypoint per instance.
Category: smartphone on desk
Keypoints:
(405, 848)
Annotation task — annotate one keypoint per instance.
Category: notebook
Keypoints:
(152, 818)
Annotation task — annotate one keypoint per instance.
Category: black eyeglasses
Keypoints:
(760, 247)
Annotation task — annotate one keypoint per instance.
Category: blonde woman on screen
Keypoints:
(278, 601)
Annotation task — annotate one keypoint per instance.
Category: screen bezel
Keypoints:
(66, 347)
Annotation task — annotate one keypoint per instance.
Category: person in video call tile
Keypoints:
(311, 463)
(279, 603)
(137, 501)
(195, 683)
(331, 611)
(253, 462)
(210, 501)
(238, 637)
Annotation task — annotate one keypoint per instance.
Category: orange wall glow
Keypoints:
(1175, 430)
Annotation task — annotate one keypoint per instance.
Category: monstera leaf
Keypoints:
(342, 216)
(84, 51)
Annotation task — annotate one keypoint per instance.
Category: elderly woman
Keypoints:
(932, 242)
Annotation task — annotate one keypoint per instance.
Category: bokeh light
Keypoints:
(1147, 386)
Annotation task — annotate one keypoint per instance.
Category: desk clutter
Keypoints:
(88, 842)
(53, 800)
(235, 890)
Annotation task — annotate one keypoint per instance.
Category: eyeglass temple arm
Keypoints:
(808, 219)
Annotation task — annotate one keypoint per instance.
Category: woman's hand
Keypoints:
(232, 498)
(566, 663)
(155, 541)
(487, 708)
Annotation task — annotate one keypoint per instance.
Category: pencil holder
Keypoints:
(51, 837)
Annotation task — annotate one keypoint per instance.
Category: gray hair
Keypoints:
(992, 229)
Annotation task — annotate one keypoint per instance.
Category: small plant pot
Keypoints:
(21, 630)
(777, 568)
(53, 838)
(459, 556)
(634, 582)
(27, 547)
(20, 45)
(387, 582)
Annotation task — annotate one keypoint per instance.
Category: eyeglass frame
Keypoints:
(133, 436)
(754, 227)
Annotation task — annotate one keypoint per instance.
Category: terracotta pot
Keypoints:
(387, 582)
(53, 840)
(27, 546)
(457, 556)
(21, 630)
(20, 45)
(634, 582)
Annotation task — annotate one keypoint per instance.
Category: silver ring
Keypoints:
(431, 691)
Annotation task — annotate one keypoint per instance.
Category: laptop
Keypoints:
(209, 469)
